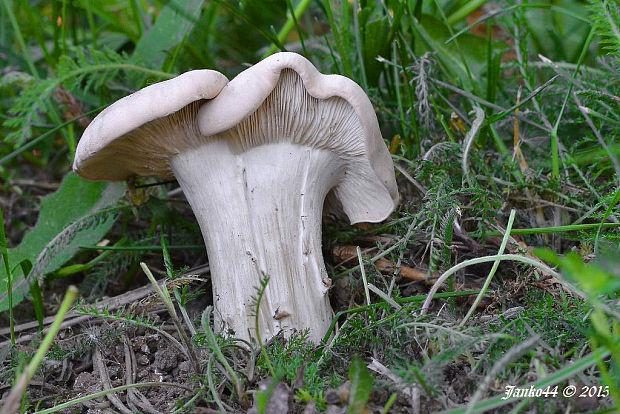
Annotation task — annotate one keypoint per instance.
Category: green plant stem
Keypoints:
(37, 299)
(462, 265)
(466, 10)
(206, 315)
(185, 407)
(116, 66)
(20, 39)
(412, 149)
(261, 293)
(91, 22)
(109, 391)
(4, 251)
(289, 5)
(288, 25)
(70, 296)
(12, 401)
(555, 156)
(137, 18)
(448, 25)
(212, 387)
(116, 317)
(163, 294)
(511, 111)
(408, 299)
(143, 248)
(38, 139)
(389, 403)
(499, 144)
(487, 282)
(555, 229)
(186, 318)
(608, 211)
(63, 25)
(363, 271)
(340, 38)
(233, 10)
(380, 255)
(76, 268)
(599, 115)
(358, 44)
(399, 101)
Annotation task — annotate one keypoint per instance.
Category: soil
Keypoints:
(147, 358)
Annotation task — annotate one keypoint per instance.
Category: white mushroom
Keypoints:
(276, 142)
(138, 134)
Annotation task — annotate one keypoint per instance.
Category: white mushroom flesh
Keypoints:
(257, 191)
(260, 215)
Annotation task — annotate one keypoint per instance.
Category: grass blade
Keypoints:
(493, 269)
(563, 374)
(361, 385)
(172, 26)
(291, 21)
(12, 401)
(4, 251)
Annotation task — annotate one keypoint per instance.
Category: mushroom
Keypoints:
(138, 134)
(276, 143)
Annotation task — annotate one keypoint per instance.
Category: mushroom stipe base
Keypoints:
(260, 214)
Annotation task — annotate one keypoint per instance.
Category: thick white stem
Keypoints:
(260, 215)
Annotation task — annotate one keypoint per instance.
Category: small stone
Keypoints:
(279, 398)
(332, 396)
(83, 381)
(153, 341)
(115, 371)
(137, 343)
(310, 408)
(142, 359)
(165, 360)
(334, 409)
(185, 367)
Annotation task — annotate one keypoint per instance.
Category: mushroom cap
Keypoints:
(126, 138)
(368, 192)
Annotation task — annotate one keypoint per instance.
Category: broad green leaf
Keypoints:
(67, 219)
(548, 256)
(377, 43)
(558, 35)
(361, 385)
(174, 22)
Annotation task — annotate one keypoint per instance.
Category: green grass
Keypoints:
(457, 90)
